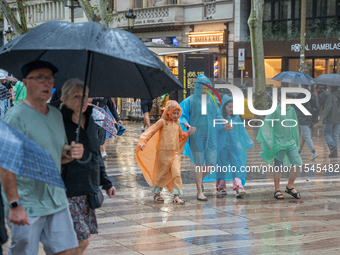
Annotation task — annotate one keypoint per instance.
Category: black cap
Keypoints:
(37, 64)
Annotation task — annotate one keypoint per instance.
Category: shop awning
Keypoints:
(162, 51)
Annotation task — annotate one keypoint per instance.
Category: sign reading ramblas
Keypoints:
(238, 100)
(316, 47)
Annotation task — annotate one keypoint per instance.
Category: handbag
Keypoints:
(96, 199)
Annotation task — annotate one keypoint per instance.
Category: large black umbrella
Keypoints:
(112, 62)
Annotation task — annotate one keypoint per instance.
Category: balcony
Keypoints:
(173, 17)
(39, 12)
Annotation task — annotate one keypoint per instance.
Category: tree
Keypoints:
(255, 23)
(7, 12)
(21, 27)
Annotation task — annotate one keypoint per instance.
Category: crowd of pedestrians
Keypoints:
(64, 220)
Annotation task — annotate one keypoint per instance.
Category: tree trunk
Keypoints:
(22, 15)
(8, 13)
(87, 8)
(103, 13)
(255, 27)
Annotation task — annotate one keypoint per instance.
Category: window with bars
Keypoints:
(138, 4)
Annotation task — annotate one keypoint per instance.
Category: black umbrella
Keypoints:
(111, 61)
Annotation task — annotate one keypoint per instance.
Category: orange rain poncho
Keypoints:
(160, 161)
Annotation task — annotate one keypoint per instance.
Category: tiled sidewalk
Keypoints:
(132, 223)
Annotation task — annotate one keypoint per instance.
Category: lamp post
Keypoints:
(130, 17)
(73, 4)
(9, 34)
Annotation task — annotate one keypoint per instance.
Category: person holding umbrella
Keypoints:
(305, 121)
(38, 211)
(331, 120)
(82, 180)
(105, 102)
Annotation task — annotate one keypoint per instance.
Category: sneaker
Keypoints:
(334, 153)
(241, 193)
(104, 155)
(143, 128)
(314, 156)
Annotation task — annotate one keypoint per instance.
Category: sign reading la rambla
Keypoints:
(317, 47)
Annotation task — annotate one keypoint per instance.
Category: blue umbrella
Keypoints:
(24, 157)
(331, 79)
(295, 78)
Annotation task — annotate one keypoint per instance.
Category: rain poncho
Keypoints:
(20, 92)
(332, 108)
(232, 149)
(201, 146)
(277, 140)
(160, 161)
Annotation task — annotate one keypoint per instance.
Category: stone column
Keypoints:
(165, 2)
(131, 4)
(114, 6)
(145, 3)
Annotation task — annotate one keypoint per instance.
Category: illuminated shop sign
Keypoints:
(200, 38)
(316, 46)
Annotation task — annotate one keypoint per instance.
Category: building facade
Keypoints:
(38, 12)
(199, 24)
(281, 35)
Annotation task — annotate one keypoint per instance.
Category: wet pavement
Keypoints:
(132, 223)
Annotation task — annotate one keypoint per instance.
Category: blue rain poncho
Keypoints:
(232, 149)
(201, 147)
(276, 139)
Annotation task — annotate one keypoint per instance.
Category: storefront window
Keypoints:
(172, 64)
(220, 68)
(337, 65)
(294, 65)
(272, 68)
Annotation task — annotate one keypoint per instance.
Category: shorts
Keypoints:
(84, 218)
(204, 150)
(55, 231)
(146, 105)
(293, 156)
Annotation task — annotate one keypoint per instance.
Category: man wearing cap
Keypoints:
(38, 211)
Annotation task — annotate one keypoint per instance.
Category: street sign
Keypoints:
(241, 58)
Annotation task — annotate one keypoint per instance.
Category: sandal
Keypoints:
(177, 200)
(158, 198)
(295, 195)
(202, 198)
(221, 192)
(278, 196)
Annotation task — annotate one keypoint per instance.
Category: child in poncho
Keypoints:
(280, 143)
(232, 151)
(159, 153)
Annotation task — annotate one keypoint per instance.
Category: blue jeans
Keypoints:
(307, 135)
(331, 134)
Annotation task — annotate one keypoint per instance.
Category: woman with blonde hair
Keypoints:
(82, 181)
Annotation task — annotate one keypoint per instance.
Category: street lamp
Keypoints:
(9, 34)
(130, 17)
